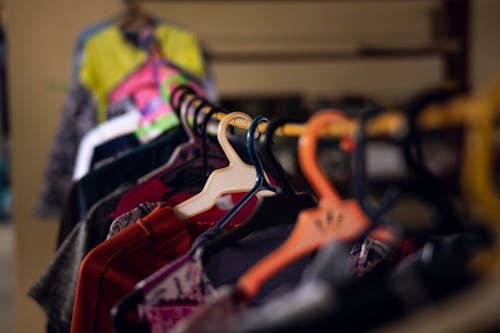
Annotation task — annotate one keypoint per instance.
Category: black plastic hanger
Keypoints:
(426, 185)
(360, 179)
(199, 177)
(271, 163)
(282, 208)
(183, 90)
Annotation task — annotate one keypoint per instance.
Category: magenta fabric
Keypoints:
(143, 87)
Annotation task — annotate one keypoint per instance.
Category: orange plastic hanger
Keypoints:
(334, 218)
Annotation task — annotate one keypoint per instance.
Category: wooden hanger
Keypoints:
(286, 201)
(334, 218)
(261, 182)
(236, 177)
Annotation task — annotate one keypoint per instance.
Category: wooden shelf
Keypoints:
(311, 56)
(287, 1)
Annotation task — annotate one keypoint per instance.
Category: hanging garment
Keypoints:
(229, 255)
(175, 291)
(109, 130)
(103, 58)
(300, 302)
(126, 169)
(109, 151)
(55, 289)
(126, 258)
(333, 262)
(352, 305)
(149, 87)
(120, 262)
(334, 299)
(152, 190)
(333, 219)
(207, 218)
(123, 221)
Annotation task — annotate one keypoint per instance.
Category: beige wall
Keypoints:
(485, 41)
(302, 26)
(41, 37)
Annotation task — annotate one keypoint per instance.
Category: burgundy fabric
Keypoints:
(152, 190)
(113, 268)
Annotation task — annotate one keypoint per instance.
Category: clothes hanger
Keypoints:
(271, 163)
(204, 160)
(427, 188)
(378, 214)
(182, 152)
(208, 148)
(286, 201)
(426, 185)
(236, 177)
(180, 80)
(360, 178)
(334, 218)
(478, 174)
(130, 302)
(177, 95)
(261, 182)
(193, 153)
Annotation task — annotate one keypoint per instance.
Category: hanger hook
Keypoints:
(261, 182)
(204, 135)
(175, 103)
(254, 157)
(428, 182)
(275, 167)
(196, 126)
(360, 178)
(183, 117)
(228, 149)
(412, 141)
(308, 149)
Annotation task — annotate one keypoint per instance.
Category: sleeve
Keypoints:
(78, 117)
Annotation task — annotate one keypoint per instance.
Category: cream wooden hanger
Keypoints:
(236, 177)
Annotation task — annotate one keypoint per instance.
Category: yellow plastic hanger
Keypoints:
(478, 174)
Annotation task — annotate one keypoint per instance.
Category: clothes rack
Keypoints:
(450, 115)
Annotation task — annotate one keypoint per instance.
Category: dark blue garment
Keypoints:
(126, 169)
(106, 152)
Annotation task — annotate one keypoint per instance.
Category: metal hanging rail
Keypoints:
(450, 115)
